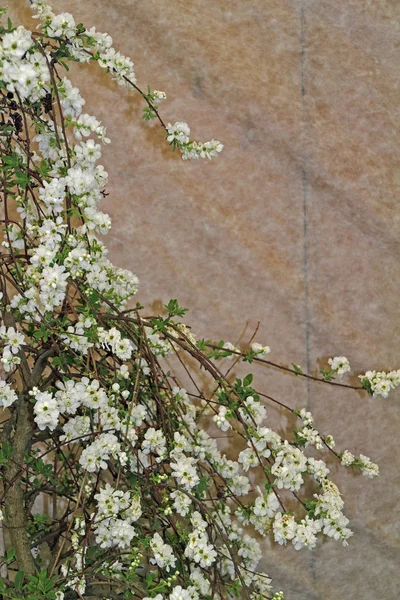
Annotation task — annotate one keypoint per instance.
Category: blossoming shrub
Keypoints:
(144, 502)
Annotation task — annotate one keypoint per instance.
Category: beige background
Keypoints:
(295, 225)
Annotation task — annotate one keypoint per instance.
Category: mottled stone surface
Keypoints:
(296, 225)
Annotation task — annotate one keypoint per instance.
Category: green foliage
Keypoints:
(149, 114)
(249, 356)
(174, 310)
(298, 439)
(234, 588)
(366, 383)
(160, 325)
(39, 524)
(203, 486)
(5, 453)
(40, 587)
(327, 374)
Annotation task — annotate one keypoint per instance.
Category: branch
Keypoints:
(15, 516)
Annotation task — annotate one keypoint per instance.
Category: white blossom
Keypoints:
(340, 365)
(7, 395)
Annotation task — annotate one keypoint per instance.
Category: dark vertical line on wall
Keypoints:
(304, 191)
(303, 52)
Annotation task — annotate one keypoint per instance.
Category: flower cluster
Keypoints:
(12, 340)
(368, 468)
(116, 511)
(7, 395)
(199, 549)
(179, 136)
(163, 555)
(380, 383)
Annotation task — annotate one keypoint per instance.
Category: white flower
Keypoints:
(62, 25)
(306, 534)
(179, 132)
(284, 528)
(347, 458)
(197, 150)
(119, 65)
(290, 464)
(93, 396)
(110, 501)
(180, 394)
(46, 411)
(260, 349)
(310, 437)
(53, 195)
(87, 153)
(253, 411)
(182, 502)
(340, 365)
(69, 396)
(200, 550)
(306, 417)
(76, 429)
(71, 100)
(179, 593)
(12, 338)
(380, 383)
(163, 553)
(368, 468)
(159, 96)
(317, 468)
(200, 582)
(248, 458)
(112, 340)
(53, 285)
(220, 419)
(114, 533)
(184, 471)
(266, 505)
(96, 455)
(15, 44)
(329, 441)
(7, 395)
(154, 441)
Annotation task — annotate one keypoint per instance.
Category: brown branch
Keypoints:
(15, 516)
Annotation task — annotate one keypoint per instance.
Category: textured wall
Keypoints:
(295, 225)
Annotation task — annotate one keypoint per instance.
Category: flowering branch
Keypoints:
(144, 501)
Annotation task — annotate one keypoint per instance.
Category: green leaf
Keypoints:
(297, 369)
(202, 487)
(365, 382)
(202, 344)
(10, 555)
(327, 374)
(42, 333)
(64, 64)
(19, 579)
(174, 310)
(247, 380)
(148, 114)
